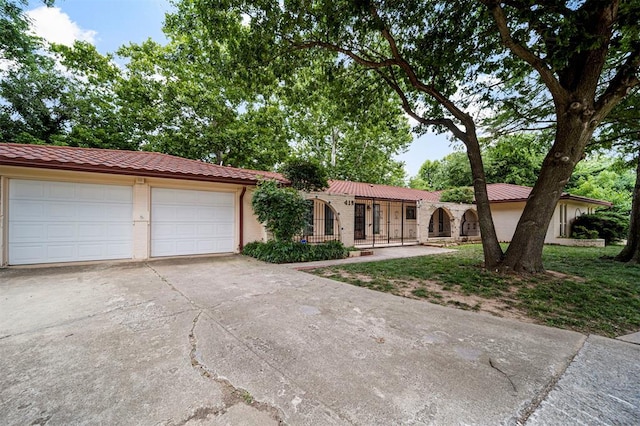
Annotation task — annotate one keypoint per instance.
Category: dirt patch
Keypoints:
(432, 291)
(561, 276)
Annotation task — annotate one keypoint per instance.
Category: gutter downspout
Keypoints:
(241, 210)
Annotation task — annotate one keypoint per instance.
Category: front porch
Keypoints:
(384, 223)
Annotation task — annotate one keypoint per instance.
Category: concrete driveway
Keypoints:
(232, 341)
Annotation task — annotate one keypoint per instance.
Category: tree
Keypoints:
(305, 175)
(345, 120)
(16, 43)
(35, 103)
(514, 159)
(461, 194)
(178, 102)
(622, 131)
(433, 53)
(604, 179)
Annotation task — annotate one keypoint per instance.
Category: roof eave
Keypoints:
(123, 171)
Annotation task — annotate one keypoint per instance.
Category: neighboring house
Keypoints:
(64, 204)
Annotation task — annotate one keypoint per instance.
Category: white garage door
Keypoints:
(67, 222)
(191, 222)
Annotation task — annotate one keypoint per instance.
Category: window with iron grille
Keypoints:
(308, 229)
(328, 220)
(376, 218)
(411, 212)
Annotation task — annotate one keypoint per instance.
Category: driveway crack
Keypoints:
(537, 400)
(231, 395)
(504, 374)
(170, 285)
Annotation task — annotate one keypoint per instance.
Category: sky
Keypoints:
(109, 24)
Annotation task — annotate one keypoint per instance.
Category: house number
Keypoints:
(348, 202)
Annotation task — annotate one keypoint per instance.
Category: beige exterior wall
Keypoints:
(505, 219)
(342, 206)
(253, 230)
(454, 216)
(142, 187)
(4, 211)
(507, 215)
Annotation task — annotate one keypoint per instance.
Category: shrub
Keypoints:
(282, 210)
(461, 194)
(291, 251)
(582, 233)
(610, 225)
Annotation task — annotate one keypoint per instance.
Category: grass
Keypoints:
(584, 290)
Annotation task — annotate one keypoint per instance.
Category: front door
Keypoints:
(359, 221)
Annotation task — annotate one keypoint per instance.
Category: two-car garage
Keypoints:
(70, 204)
(52, 221)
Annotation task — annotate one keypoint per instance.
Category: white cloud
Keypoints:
(55, 26)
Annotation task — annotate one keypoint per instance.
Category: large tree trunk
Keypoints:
(631, 252)
(524, 254)
(491, 248)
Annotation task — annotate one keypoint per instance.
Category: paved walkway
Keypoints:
(233, 341)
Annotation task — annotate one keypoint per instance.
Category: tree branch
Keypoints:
(406, 105)
(621, 85)
(521, 51)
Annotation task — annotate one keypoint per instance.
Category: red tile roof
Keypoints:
(139, 163)
(368, 190)
(498, 192)
(154, 164)
(508, 193)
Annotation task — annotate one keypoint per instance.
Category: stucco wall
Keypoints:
(507, 215)
(342, 205)
(141, 202)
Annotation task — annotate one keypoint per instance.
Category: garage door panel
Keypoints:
(31, 232)
(186, 222)
(65, 222)
(60, 211)
(26, 210)
(223, 230)
(26, 189)
(60, 232)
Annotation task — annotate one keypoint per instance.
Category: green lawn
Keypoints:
(583, 291)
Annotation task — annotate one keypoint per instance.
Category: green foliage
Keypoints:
(16, 42)
(610, 225)
(451, 172)
(582, 233)
(515, 159)
(461, 194)
(603, 179)
(305, 175)
(292, 251)
(282, 210)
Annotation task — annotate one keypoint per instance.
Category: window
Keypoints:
(308, 229)
(410, 212)
(563, 220)
(328, 220)
(376, 218)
